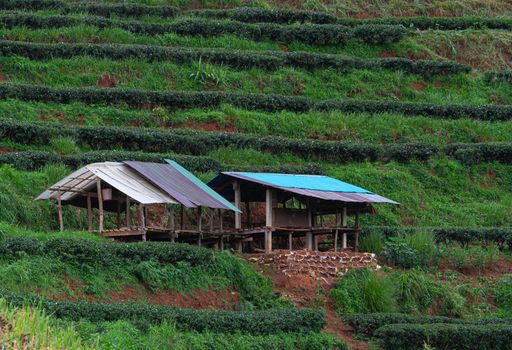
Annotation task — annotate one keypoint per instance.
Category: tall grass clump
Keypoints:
(363, 291)
(471, 257)
(414, 290)
(30, 328)
(372, 242)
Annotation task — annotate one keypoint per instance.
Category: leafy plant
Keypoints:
(208, 74)
(401, 254)
(372, 242)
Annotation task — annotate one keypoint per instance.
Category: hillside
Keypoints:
(410, 99)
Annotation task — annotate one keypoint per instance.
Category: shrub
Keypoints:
(270, 321)
(468, 153)
(445, 336)
(369, 323)
(399, 253)
(497, 77)
(423, 242)
(362, 291)
(503, 294)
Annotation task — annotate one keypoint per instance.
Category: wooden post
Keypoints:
(315, 242)
(221, 225)
(269, 222)
(89, 211)
(118, 214)
(337, 228)
(358, 225)
(199, 220)
(344, 224)
(290, 241)
(221, 242)
(100, 204)
(238, 245)
(248, 213)
(238, 196)
(142, 220)
(268, 241)
(170, 213)
(182, 223)
(59, 203)
(309, 241)
(128, 222)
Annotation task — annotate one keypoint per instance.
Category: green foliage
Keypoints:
(496, 77)
(362, 290)
(414, 290)
(318, 34)
(424, 243)
(399, 253)
(445, 111)
(208, 74)
(503, 294)
(267, 60)
(271, 321)
(372, 242)
(444, 336)
(471, 257)
(123, 335)
(369, 323)
(64, 146)
(97, 9)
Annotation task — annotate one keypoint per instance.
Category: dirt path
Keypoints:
(305, 291)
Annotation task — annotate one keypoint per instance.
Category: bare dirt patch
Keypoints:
(108, 80)
(419, 85)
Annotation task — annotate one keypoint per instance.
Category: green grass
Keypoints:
(383, 128)
(318, 85)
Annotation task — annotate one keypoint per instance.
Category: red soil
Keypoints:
(107, 80)
(419, 85)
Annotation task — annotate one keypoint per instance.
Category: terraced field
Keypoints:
(416, 108)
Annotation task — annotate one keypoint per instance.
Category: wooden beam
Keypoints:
(337, 229)
(290, 241)
(221, 226)
(89, 212)
(199, 219)
(238, 196)
(100, 203)
(248, 213)
(59, 204)
(358, 225)
(269, 205)
(142, 220)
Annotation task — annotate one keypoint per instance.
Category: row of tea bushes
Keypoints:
(271, 321)
(315, 34)
(233, 58)
(263, 102)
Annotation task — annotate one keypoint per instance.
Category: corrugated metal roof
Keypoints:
(317, 186)
(306, 182)
(118, 175)
(181, 184)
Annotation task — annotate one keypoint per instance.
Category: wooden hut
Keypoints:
(131, 188)
(308, 206)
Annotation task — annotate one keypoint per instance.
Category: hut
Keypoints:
(308, 206)
(131, 188)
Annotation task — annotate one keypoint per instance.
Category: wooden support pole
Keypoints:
(309, 241)
(248, 213)
(199, 220)
(199, 239)
(100, 204)
(269, 205)
(238, 245)
(290, 241)
(89, 211)
(358, 225)
(118, 214)
(142, 220)
(128, 221)
(221, 225)
(59, 203)
(315, 242)
(182, 221)
(170, 213)
(344, 224)
(268, 241)
(221, 242)
(337, 227)
(238, 196)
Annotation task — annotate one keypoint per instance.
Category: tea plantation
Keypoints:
(410, 99)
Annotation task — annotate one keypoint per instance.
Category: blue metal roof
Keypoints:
(306, 182)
